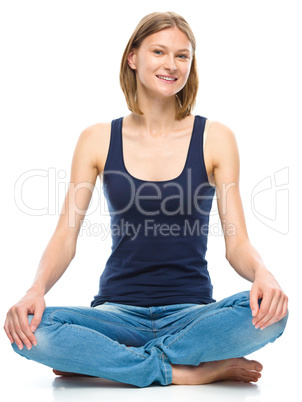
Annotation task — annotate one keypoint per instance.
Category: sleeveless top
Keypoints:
(159, 230)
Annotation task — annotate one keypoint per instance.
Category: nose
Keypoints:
(169, 63)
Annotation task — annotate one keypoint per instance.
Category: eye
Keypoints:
(183, 56)
(157, 51)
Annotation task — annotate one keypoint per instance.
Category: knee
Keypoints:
(281, 324)
(22, 352)
(41, 335)
(274, 331)
(14, 345)
(16, 349)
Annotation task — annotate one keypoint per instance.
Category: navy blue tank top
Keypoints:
(159, 230)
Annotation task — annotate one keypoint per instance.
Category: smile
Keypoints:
(167, 79)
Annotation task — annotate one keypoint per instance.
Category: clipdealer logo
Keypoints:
(270, 201)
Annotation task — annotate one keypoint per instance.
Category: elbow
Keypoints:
(69, 249)
(73, 252)
(228, 253)
(227, 256)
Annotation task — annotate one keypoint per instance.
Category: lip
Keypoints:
(168, 76)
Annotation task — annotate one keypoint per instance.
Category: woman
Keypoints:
(154, 319)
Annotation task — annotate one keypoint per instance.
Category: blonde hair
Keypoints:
(151, 23)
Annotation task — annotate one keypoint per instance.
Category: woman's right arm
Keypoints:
(61, 248)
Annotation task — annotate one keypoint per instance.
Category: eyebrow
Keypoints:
(179, 50)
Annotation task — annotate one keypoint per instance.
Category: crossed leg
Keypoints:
(236, 369)
(228, 334)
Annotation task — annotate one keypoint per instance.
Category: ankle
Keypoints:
(180, 374)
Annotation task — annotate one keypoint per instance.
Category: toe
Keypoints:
(240, 374)
(257, 366)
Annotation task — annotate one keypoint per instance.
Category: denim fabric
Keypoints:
(94, 341)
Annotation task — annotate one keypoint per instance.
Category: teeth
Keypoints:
(166, 78)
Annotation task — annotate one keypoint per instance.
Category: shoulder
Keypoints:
(95, 140)
(95, 131)
(221, 132)
(221, 140)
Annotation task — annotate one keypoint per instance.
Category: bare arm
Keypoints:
(242, 256)
(246, 260)
(61, 248)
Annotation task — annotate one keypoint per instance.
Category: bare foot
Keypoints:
(236, 369)
(66, 374)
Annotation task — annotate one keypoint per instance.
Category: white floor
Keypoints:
(26, 380)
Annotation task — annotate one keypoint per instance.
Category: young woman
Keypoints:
(154, 319)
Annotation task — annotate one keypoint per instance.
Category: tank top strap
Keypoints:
(114, 156)
(195, 156)
(114, 159)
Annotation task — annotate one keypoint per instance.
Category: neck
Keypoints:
(158, 117)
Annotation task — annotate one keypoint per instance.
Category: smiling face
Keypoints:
(162, 62)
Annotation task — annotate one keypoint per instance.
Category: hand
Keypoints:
(17, 326)
(274, 302)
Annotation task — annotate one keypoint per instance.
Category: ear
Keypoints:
(131, 60)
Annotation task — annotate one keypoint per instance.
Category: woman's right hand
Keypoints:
(16, 324)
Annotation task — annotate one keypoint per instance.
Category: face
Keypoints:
(162, 62)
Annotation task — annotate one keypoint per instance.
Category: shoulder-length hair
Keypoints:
(151, 23)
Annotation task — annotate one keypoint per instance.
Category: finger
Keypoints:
(18, 330)
(264, 308)
(11, 330)
(35, 322)
(17, 339)
(275, 318)
(24, 324)
(284, 312)
(254, 301)
(285, 307)
(8, 332)
(275, 302)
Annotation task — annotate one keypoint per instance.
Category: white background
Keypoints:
(59, 66)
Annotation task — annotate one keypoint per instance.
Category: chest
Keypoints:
(155, 159)
(159, 159)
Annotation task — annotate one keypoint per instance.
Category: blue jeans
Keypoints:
(94, 341)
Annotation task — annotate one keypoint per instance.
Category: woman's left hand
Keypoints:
(274, 302)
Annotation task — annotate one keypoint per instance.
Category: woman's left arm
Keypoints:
(241, 255)
(247, 262)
